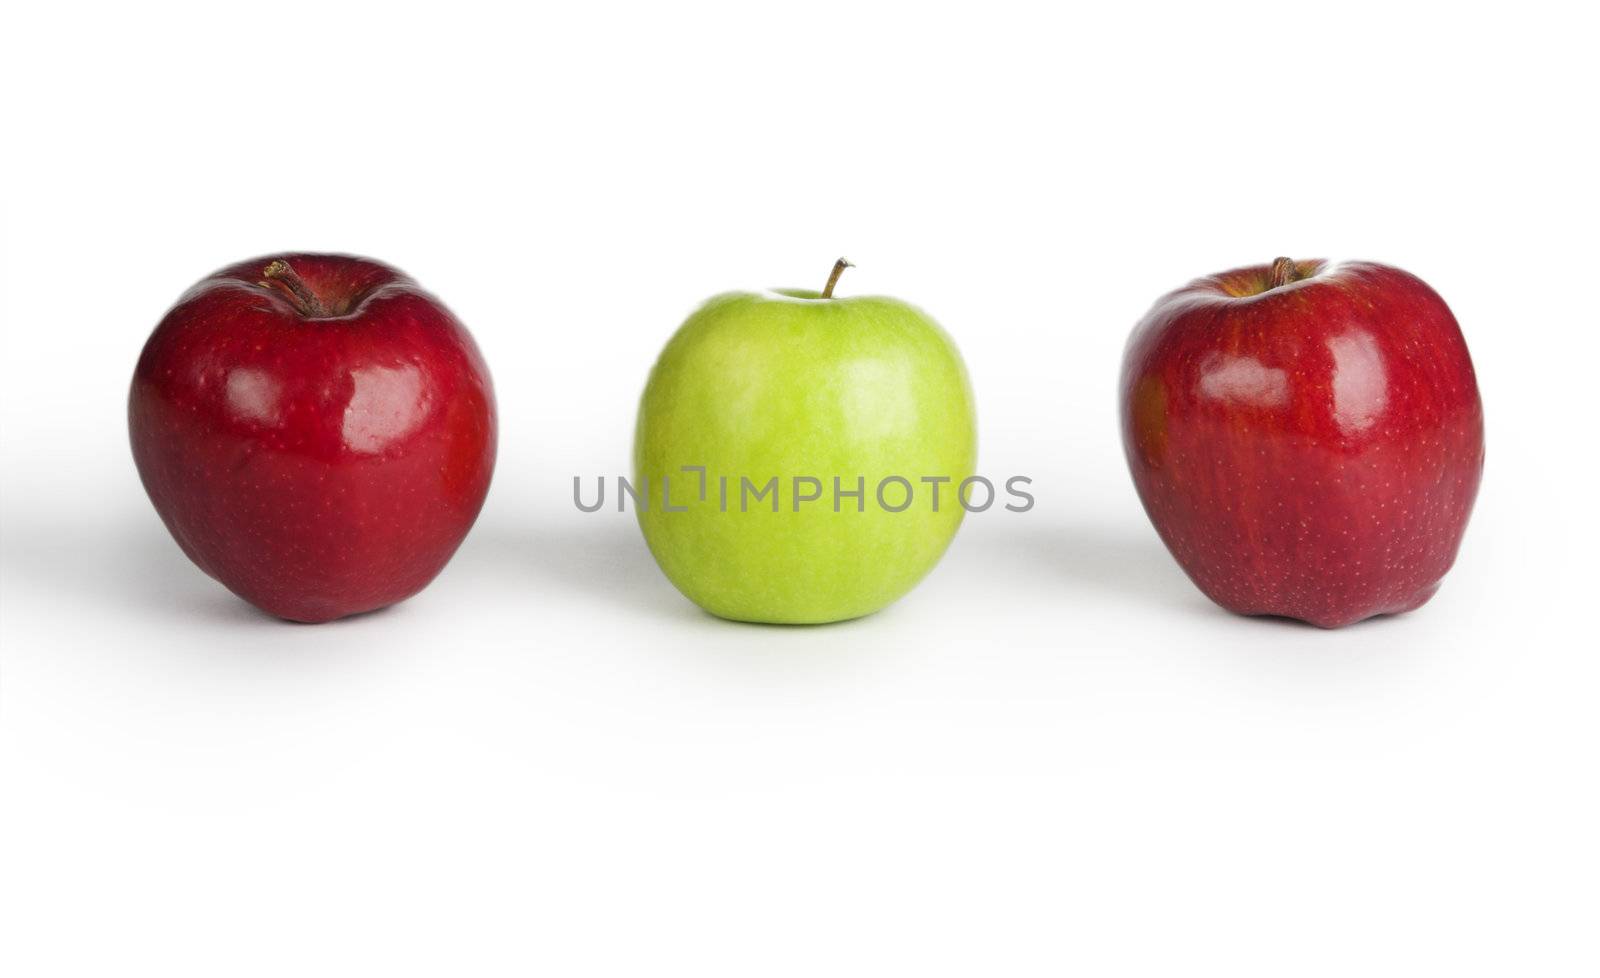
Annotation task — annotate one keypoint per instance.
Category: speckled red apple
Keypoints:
(1306, 437)
(317, 432)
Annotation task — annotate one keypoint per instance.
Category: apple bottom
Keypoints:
(298, 537)
(1289, 601)
(1314, 556)
(807, 567)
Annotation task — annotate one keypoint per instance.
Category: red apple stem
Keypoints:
(1284, 271)
(833, 279)
(280, 273)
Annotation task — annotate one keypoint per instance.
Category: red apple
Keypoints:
(1306, 437)
(317, 432)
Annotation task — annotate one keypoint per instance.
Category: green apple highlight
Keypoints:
(827, 396)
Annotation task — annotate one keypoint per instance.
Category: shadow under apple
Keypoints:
(1122, 562)
(604, 561)
(128, 562)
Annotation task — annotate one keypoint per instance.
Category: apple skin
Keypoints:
(318, 466)
(790, 384)
(1310, 451)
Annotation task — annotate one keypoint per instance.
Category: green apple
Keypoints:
(798, 456)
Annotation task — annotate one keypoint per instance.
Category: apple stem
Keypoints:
(279, 273)
(1283, 272)
(833, 279)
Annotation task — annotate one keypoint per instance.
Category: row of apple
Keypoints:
(318, 433)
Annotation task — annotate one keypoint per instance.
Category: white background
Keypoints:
(1055, 756)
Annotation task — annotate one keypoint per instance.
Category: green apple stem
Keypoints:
(1283, 272)
(833, 279)
(279, 273)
